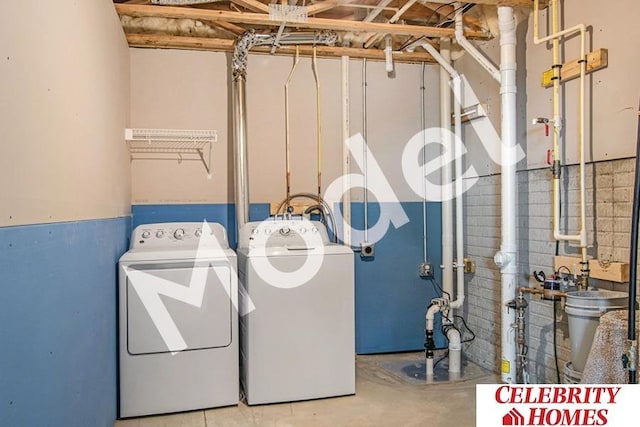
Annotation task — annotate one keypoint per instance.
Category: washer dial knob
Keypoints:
(146, 234)
(179, 234)
(198, 232)
(159, 234)
(285, 231)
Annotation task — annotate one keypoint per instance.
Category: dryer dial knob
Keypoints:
(146, 234)
(179, 234)
(198, 232)
(159, 234)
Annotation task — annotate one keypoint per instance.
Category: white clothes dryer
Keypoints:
(178, 322)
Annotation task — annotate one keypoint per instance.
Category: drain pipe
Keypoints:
(506, 257)
(449, 73)
(470, 48)
(446, 172)
(429, 344)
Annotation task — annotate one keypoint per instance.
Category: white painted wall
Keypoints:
(612, 93)
(63, 107)
(189, 89)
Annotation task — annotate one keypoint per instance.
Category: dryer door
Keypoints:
(178, 306)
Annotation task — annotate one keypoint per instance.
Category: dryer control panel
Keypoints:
(283, 233)
(179, 235)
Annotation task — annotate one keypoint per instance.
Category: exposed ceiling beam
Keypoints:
(311, 23)
(232, 28)
(253, 5)
(493, 2)
(227, 45)
(320, 7)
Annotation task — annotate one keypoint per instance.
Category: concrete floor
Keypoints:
(383, 398)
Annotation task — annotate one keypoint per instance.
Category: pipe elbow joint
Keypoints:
(453, 335)
(503, 259)
(432, 310)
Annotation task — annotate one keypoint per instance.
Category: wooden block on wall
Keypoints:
(571, 262)
(596, 60)
(611, 271)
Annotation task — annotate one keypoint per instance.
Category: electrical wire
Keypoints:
(464, 8)
(555, 320)
(437, 9)
(439, 288)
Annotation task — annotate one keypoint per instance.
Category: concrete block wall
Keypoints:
(609, 186)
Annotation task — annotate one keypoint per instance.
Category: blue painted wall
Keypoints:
(391, 299)
(58, 323)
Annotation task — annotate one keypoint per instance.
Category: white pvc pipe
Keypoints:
(453, 335)
(446, 172)
(471, 49)
(450, 73)
(430, 316)
(460, 292)
(455, 351)
(388, 54)
(506, 258)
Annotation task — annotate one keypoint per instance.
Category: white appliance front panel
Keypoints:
(192, 300)
(299, 342)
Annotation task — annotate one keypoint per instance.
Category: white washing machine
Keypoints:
(178, 323)
(298, 343)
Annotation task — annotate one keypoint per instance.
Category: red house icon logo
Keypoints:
(513, 418)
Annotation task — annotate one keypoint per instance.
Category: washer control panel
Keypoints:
(281, 233)
(178, 235)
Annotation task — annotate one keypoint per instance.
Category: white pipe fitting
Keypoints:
(471, 49)
(455, 350)
(431, 312)
(388, 54)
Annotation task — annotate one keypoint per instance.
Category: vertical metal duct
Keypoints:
(239, 104)
(241, 173)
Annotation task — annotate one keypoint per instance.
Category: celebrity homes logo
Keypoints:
(555, 405)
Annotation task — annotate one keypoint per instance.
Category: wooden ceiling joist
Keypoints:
(253, 5)
(494, 2)
(207, 15)
(326, 5)
(227, 45)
